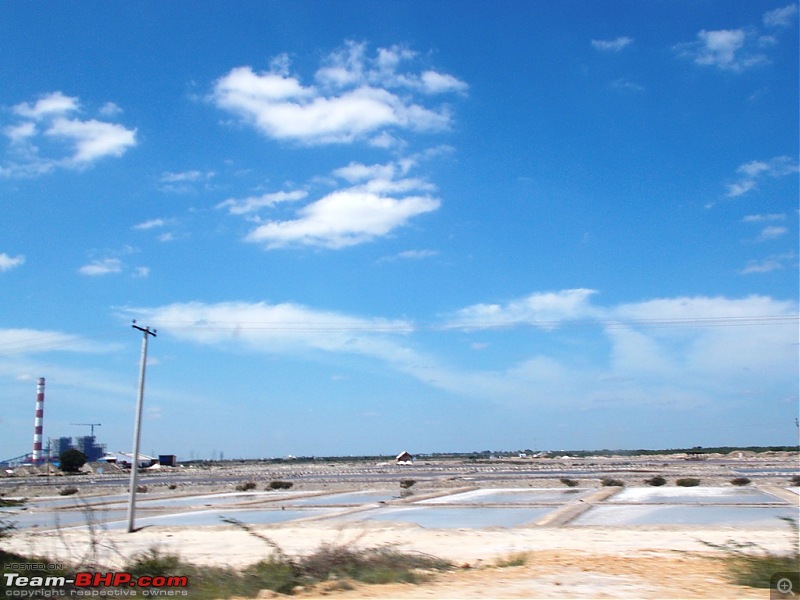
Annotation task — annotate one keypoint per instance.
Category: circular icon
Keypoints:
(784, 586)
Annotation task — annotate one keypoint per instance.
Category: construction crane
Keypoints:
(92, 425)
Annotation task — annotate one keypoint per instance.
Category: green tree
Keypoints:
(72, 460)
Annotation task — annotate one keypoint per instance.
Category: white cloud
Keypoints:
(417, 254)
(780, 17)
(751, 172)
(21, 132)
(141, 272)
(763, 218)
(542, 309)
(36, 341)
(379, 199)
(255, 203)
(665, 351)
(772, 263)
(343, 218)
(150, 224)
(353, 103)
(614, 45)
(83, 141)
(184, 182)
(93, 139)
(185, 176)
(105, 266)
(50, 105)
(440, 83)
(727, 49)
(772, 232)
(109, 109)
(10, 262)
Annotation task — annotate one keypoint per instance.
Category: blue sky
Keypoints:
(363, 227)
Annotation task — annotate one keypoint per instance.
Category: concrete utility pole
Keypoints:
(137, 429)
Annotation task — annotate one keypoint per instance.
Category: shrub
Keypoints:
(656, 481)
(141, 489)
(372, 565)
(568, 482)
(172, 486)
(795, 479)
(610, 482)
(687, 482)
(68, 491)
(280, 485)
(407, 483)
(247, 485)
(740, 481)
(751, 565)
(517, 559)
(71, 460)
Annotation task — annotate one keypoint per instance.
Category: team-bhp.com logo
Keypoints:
(94, 584)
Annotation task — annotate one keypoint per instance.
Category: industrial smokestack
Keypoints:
(37, 423)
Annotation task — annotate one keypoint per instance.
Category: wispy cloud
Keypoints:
(772, 232)
(764, 218)
(79, 143)
(775, 262)
(150, 224)
(183, 182)
(105, 266)
(780, 17)
(647, 346)
(353, 99)
(10, 262)
(751, 172)
(614, 45)
(736, 50)
(251, 204)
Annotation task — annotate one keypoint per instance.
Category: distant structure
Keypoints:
(125, 459)
(167, 460)
(38, 423)
(91, 448)
(404, 458)
(60, 445)
(86, 444)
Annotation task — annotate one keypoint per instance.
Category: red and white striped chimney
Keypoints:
(37, 424)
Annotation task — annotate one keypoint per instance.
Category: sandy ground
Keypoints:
(565, 562)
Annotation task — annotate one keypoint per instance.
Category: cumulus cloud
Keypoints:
(727, 49)
(353, 98)
(736, 50)
(614, 45)
(343, 218)
(78, 142)
(371, 201)
(10, 262)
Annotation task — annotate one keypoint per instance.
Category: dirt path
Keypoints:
(568, 575)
